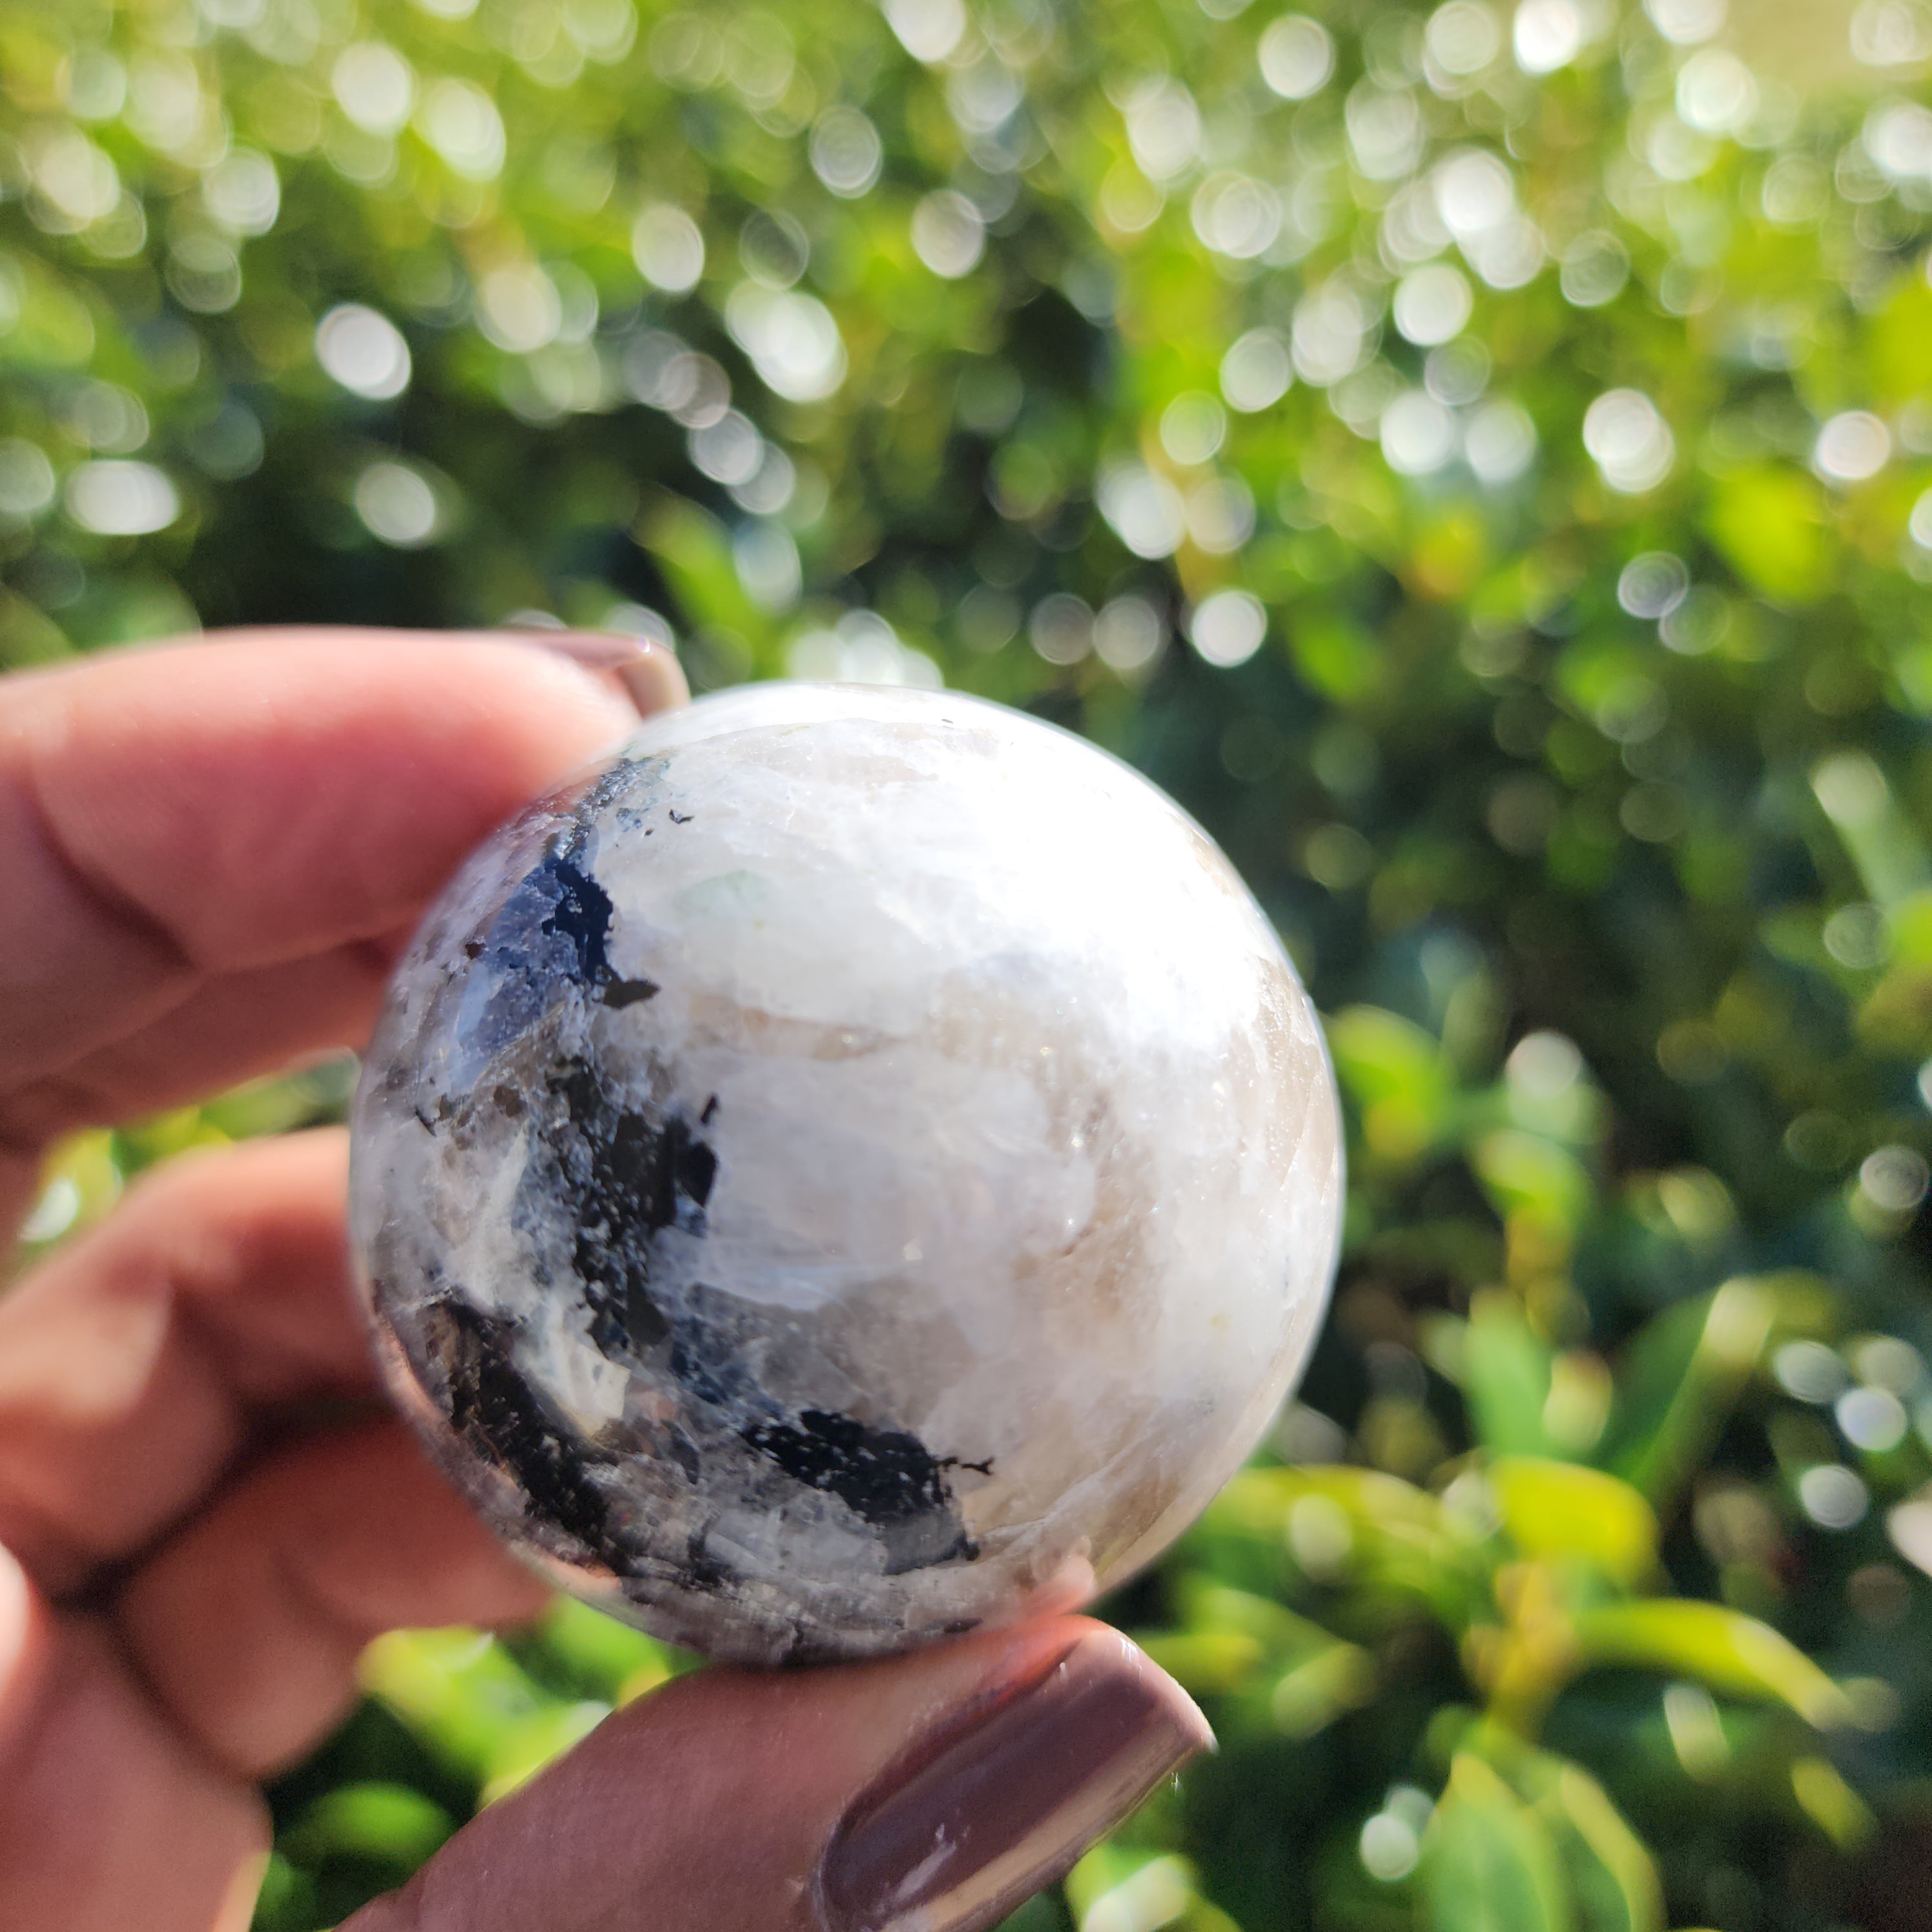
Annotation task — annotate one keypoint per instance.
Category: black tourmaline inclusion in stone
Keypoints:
(582, 916)
(624, 1175)
(628, 1176)
(891, 1479)
(503, 1419)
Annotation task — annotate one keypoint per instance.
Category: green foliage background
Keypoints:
(1473, 457)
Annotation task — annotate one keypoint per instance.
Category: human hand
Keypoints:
(209, 855)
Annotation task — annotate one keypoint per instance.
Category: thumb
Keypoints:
(932, 1792)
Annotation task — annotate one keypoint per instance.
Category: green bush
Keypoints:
(1474, 458)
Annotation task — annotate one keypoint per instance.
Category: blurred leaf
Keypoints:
(1506, 1375)
(1396, 1075)
(1322, 1686)
(391, 1823)
(1229, 1636)
(1041, 1913)
(1771, 525)
(1339, 658)
(1552, 1509)
(459, 1691)
(1714, 1646)
(28, 636)
(696, 555)
(1830, 1804)
(1524, 1174)
(80, 1181)
(1298, 1676)
(1108, 1866)
(523, 1751)
(1900, 353)
(1375, 1528)
(1112, 1889)
(1887, 849)
(1612, 1875)
(1896, 1016)
(1208, 1605)
(1683, 1374)
(1488, 1863)
(592, 1655)
(1261, 1499)
(1206, 1662)
(286, 1901)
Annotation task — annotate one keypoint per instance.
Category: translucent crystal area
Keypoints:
(858, 1167)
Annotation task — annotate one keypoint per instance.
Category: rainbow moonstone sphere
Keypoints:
(858, 1166)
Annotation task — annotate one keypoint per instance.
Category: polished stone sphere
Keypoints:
(858, 1166)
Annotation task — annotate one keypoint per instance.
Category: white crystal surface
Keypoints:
(861, 1167)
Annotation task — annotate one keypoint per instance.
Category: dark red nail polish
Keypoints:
(980, 1817)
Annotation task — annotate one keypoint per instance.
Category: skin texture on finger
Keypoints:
(207, 812)
(135, 1362)
(730, 1801)
(227, 1029)
(19, 1182)
(108, 1820)
(247, 1627)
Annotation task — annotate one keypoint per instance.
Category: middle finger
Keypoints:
(135, 1364)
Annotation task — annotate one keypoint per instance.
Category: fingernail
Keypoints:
(977, 1819)
(647, 669)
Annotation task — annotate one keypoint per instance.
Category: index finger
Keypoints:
(243, 818)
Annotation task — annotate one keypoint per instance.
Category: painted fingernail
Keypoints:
(980, 1817)
(648, 670)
